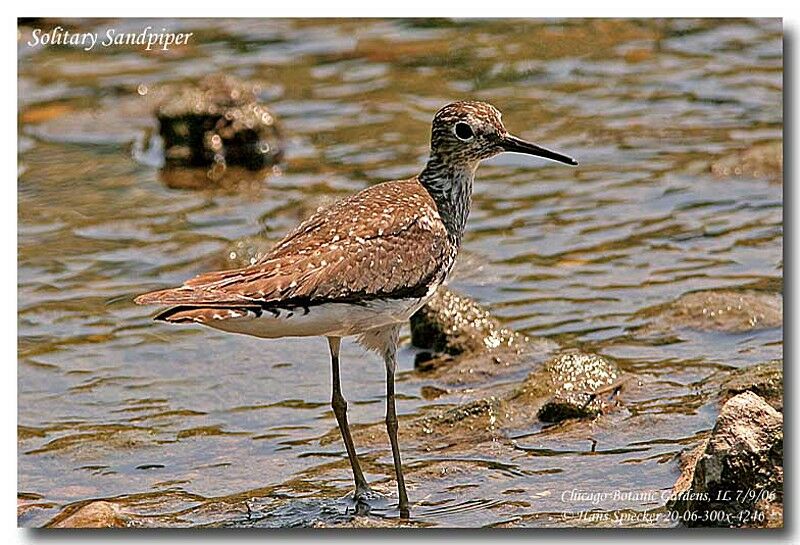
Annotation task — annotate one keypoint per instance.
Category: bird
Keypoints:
(360, 267)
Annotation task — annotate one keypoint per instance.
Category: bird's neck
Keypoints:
(450, 185)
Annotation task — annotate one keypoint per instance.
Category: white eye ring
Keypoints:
(466, 132)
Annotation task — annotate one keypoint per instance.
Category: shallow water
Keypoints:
(196, 427)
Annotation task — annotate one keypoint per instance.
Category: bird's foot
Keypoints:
(405, 514)
(365, 494)
(364, 499)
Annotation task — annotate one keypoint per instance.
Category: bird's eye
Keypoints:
(463, 131)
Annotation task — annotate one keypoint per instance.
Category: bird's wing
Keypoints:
(393, 228)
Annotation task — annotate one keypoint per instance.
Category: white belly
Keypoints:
(329, 319)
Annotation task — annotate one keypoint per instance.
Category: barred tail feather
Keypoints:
(189, 295)
(205, 315)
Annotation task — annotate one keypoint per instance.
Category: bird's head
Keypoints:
(467, 132)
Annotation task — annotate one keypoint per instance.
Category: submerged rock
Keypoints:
(454, 324)
(484, 370)
(729, 311)
(95, 514)
(763, 161)
(476, 416)
(572, 385)
(456, 428)
(114, 121)
(432, 392)
(218, 123)
(764, 380)
(736, 477)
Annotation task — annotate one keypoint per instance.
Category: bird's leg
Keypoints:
(390, 357)
(339, 405)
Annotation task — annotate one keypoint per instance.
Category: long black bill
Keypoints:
(518, 145)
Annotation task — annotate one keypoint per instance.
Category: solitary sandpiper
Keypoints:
(362, 266)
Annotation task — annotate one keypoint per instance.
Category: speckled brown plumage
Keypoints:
(387, 241)
(395, 240)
